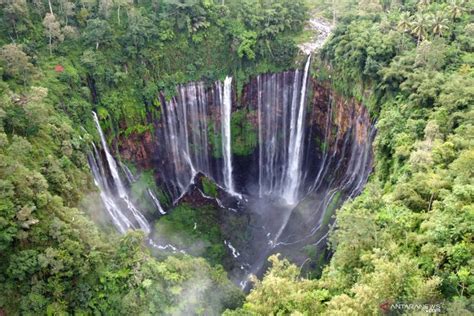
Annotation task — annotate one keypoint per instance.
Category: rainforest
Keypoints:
(236, 157)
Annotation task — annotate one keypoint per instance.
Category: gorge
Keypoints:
(284, 152)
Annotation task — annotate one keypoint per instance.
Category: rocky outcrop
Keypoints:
(321, 30)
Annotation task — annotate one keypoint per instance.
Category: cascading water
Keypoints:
(226, 134)
(281, 125)
(118, 217)
(113, 193)
(293, 171)
(117, 202)
(156, 202)
(196, 130)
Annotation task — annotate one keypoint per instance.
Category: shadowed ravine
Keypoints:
(288, 151)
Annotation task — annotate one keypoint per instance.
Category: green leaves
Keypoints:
(248, 40)
(15, 63)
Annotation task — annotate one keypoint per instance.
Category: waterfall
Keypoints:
(319, 155)
(110, 160)
(128, 173)
(281, 119)
(293, 172)
(226, 110)
(117, 202)
(156, 202)
(192, 122)
(276, 94)
(119, 219)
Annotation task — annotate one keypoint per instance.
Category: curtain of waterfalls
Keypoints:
(196, 132)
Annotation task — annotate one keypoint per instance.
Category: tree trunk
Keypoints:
(50, 44)
(333, 12)
(118, 14)
(14, 30)
(431, 202)
(50, 7)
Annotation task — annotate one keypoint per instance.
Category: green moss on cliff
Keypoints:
(194, 229)
(209, 187)
(244, 133)
(215, 139)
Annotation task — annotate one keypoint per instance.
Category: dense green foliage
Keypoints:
(408, 237)
(120, 55)
(53, 259)
(209, 187)
(194, 229)
(139, 190)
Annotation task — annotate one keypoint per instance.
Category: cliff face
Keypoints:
(333, 125)
(140, 149)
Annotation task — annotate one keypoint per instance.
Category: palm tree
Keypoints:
(439, 23)
(456, 9)
(404, 24)
(424, 3)
(420, 24)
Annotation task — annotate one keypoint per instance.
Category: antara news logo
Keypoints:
(397, 308)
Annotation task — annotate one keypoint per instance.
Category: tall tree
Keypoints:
(15, 62)
(422, 4)
(16, 12)
(97, 31)
(439, 23)
(119, 4)
(456, 9)
(105, 7)
(52, 30)
(420, 25)
(404, 24)
(66, 10)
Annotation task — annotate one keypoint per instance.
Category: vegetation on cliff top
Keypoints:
(118, 56)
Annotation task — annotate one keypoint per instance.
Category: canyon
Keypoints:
(284, 154)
